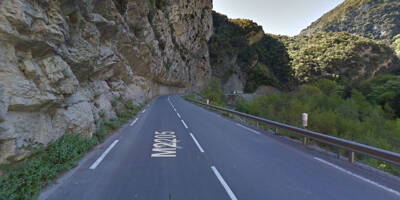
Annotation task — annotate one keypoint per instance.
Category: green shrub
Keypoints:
(121, 6)
(114, 102)
(102, 114)
(270, 54)
(384, 90)
(213, 92)
(396, 44)
(167, 65)
(259, 75)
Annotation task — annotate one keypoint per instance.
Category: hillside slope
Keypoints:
(344, 57)
(65, 64)
(374, 19)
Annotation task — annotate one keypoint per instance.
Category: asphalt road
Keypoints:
(175, 150)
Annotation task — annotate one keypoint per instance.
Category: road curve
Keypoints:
(175, 150)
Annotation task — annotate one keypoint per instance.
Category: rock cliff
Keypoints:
(63, 62)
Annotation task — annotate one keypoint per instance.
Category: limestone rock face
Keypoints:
(63, 62)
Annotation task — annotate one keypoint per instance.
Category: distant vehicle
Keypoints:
(237, 92)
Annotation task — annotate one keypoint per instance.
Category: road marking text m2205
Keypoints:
(165, 145)
(164, 152)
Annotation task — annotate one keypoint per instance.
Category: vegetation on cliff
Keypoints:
(272, 64)
(396, 44)
(227, 41)
(263, 58)
(375, 19)
(338, 56)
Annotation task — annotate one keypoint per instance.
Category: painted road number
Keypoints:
(165, 144)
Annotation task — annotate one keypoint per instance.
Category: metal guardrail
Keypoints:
(350, 146)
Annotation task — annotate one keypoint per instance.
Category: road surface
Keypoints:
(175, 150)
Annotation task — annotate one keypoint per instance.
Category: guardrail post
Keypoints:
(276, 131)
(258, 125)
(304, 119)
(305, 140)
(352, 157)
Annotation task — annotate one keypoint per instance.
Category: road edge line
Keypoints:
(358, 176)
(249, 129)
(134, 122)
(98, 161)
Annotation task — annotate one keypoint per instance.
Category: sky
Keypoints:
(284, 17)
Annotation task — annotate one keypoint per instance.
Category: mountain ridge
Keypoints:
(374, 19)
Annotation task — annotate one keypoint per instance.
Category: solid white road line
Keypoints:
(224, 184)
(197, 143)
(178, 115)
(183, 122)
(144, 111)
(358, 176)
(249, 129)
(98, 161)
(134, 122)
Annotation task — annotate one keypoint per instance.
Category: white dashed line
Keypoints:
(98, 161)
(134, 122)
(197, 143)
(224, 184)
(249, 129)
(359, 177)
(178, 115)
(183, 122)
(144, 111)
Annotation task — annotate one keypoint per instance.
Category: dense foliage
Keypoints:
(396, 44)
(354, 118)
(121, 6)
(213, 92)
(228, 39)
(273, 64)
(25, 180)
(375, 19)
(384, 90)
(262, 57)
(339, 56)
